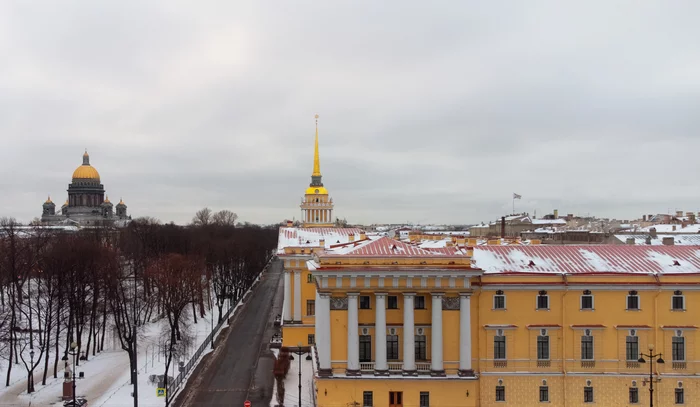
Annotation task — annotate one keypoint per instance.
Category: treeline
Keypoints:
(60, 288)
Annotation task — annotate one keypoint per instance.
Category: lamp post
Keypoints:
(299, 351)
(31, 365)
(651, 355)
(73, 352)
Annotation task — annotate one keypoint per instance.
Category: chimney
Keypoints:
(556, 214)
(652, 233)
(630, 241)
(290, 223)
(650, 217)
(691, 218)
(351, 237)
(647, 240)
(644, 218)
(679, 214)
(503, 226)
(673, 228)
(363, 235)
(667, 241)
(322, 242)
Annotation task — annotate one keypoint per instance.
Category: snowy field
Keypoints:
(107, 376)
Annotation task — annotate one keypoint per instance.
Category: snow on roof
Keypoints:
(587, 259)
(668, 228)
(297, 237)
(384, 246)
(678, 240)
(548, 222)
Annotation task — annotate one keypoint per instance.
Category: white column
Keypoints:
(465, 335)
(380, 365)
(323, 332)
(353, 337)
(409, 338)
(436, 367)
(297, 295)
(287, 297)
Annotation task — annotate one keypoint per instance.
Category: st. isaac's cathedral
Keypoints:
(87, 204)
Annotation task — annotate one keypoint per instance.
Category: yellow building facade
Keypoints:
(401, 323)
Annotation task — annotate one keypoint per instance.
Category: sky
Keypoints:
(430, 112)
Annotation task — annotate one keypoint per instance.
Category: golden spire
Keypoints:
(317, 164)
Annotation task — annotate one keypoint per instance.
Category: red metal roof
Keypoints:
(385, 246)
(588, 259)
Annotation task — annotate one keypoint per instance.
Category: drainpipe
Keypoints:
(563, 331)
(659, 346)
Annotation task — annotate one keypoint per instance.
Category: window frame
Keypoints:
(311, 339)
(421, 347)
(365, 345)
(588, 391)
(310, 278)
(541, 340)
(495, 296)
(634, 395)
(673, 302)
(634, 344)
(421, 401)
(367, 395)
(546, 297)
(592, 347)
(419, 304)
(312, 304)
(392, 347)
(497, 341)
(679, 391)
(360, 302)
(638, 307)
(675, 348)
(544, 391)
(500, 393)
(592, 307)
(389, 302)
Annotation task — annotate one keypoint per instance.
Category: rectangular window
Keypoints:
(499, 347)
(419, 302)
(634, 395)
(364, 302)
(311, 339)
(588, 394)
(500, 393)
(392, 347)
(365, 348)
(424, 399)
(310, 307)
(632, 348)
(633, 302)
(499, 302)
(367, 399)
(544, 393)
(420, 348)
(680, 397)
(542, 302)
(586, 347)
(309, 278)
(677, 302)
(393, 302)
(543, 348)
(586, 302)
(678, 349)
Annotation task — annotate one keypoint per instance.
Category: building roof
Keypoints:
(679, 240)
(301, 237)
(385, 246)
(587, 259)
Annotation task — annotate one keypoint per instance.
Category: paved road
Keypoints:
(234, 374)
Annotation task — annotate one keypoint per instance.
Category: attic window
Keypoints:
(307, 242)
(531, 263)
(676, 263)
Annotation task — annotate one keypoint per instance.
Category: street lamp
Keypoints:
(651, 355)
(73, 352)
(299, 351)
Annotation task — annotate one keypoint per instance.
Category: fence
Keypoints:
(194, 360)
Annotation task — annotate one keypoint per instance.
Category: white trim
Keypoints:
(537, 302)
(627, 303)
(628, 327)
(500, 327)
(548, 328)
(592, 302)
(505, 306)
(678, 309)
(587, 327)
(669, 328)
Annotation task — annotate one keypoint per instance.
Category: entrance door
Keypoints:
(395, 399)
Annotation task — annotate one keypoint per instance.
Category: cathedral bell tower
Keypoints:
(316, 206)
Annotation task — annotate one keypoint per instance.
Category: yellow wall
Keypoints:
(443, 393)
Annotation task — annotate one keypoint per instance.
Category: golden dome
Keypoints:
(86, 171)
(121, 201)
(107, 199)
(316, 191)
(48, 200)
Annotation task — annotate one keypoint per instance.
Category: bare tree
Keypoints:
(203, 217)
(225, 218)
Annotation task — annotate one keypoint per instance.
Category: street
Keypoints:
(233, 373)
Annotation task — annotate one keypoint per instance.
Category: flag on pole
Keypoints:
(516, 196)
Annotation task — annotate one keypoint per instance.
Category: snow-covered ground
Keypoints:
(291, 383)
(107, 376)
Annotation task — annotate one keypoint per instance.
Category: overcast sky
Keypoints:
(429, 111)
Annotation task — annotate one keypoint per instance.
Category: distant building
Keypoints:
(87, 204)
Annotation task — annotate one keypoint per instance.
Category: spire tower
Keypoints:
(317, 206)
(317, 162)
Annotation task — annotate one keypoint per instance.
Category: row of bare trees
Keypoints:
(60, 287)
